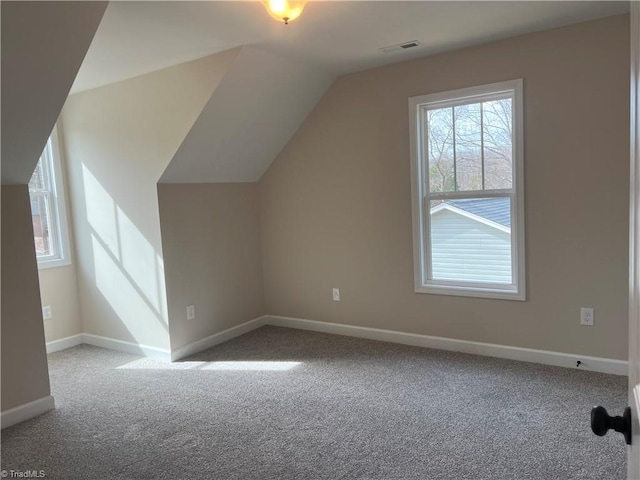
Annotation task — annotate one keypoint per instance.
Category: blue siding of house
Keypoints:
(468, 250)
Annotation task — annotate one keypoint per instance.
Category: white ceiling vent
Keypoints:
(400, 47)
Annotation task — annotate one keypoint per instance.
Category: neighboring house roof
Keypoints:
(497, 210)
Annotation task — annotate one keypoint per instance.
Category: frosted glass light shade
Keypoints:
(284, 10)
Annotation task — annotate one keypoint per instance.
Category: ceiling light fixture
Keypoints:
(284, 10)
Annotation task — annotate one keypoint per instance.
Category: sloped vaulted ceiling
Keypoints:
(43, 45)
(250, 117)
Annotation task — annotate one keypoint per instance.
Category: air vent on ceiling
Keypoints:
(400, 46)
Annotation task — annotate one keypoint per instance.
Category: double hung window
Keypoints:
(48, 213)
(467, 188)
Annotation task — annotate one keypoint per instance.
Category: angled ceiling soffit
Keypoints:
(250, 117)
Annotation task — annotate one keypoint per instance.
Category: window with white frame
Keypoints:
(48, 212)
(467, 188)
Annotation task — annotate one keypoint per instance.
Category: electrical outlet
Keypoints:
(191, 312)
(336, 294)
(46, 312)
(586, 317)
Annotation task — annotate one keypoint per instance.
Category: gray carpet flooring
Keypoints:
(279, 403)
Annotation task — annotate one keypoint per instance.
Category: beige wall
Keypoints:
(211, 244)
(59, 290)
(119, 139)
(336, 205)
(24, 363)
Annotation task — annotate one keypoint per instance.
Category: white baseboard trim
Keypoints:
(127, 347)
(217, 338)
(27, 411)
(64, 343)
(597, 364)
(154, 352)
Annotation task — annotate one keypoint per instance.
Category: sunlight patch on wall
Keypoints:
(101, 211)
(123, 297)
(162, 288)
(138, 258)
(128, 271)
(238, 366)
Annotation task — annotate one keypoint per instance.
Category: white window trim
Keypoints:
(421, 248)
(59, 207)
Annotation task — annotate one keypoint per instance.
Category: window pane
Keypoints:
(46, 217)
(40, 215)
(471, 240)
(38, 181)
(468, 132)
(498, 143)
(440, 150)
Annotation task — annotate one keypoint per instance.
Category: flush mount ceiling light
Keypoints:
(284, 10)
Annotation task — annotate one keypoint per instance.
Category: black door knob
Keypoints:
(601, 422)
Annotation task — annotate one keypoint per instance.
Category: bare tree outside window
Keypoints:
(441, 159)
(470, 146)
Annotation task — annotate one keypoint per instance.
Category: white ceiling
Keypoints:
(336, 36)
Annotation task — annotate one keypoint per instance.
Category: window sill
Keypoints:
(475, 292)
(46, 264)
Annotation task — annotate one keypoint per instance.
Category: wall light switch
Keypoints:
(46, 312)
(191, 312)
(336, 294)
